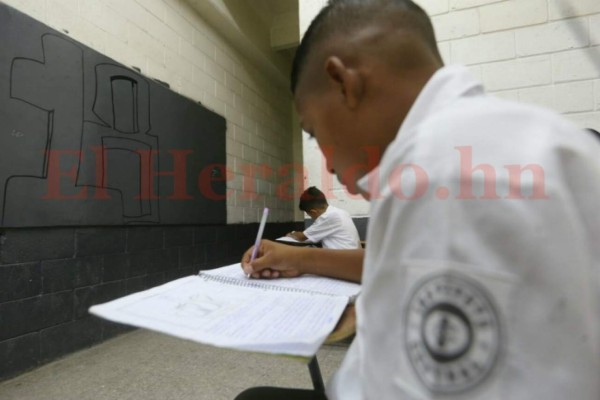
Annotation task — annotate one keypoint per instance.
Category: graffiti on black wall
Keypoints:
(87, 141)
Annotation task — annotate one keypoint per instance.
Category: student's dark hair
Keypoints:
(342, 16)
(312, 198)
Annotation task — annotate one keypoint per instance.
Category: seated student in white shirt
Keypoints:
(483, 281)
(332, 226)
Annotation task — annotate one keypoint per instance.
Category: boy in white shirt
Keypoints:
(481, 280)
(332, 226)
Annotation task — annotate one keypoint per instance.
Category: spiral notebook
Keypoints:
(223, 308)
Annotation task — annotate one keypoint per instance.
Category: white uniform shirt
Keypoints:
(479, 284)
(335, 229)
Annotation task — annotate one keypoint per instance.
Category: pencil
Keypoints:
(261, 229)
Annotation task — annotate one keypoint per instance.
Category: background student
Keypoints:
(332, 226)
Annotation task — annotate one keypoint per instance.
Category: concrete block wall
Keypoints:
(545, 52)
(170, 41)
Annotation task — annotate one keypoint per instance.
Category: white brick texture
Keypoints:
(595, 30)
(560, 9)
(434, 7)
(456, 25)
(512, 95)
(576, 65)
(586, 120)
(551, 38)
(460, 4)
(484, 48)
(574, 97)
(512, 14)
(541, 95)
(597, 94)
(518, 73)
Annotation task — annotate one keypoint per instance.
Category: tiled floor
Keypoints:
(145, 365)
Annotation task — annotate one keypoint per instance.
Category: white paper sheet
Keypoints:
(230, 316)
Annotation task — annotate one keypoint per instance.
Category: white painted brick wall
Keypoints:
(484, 48)
(551, 37)
(512, 95)
(574, 97)
(597, 96)
(560, 9)
(444, 48)
(169, 41)
(545, 52)
(460, 4)
(35, 9)
(517, 73)
(457, 25)
(587, 120)
(595, 30)
(512, 14)
(434, 7)
(540, 95)
(575, 65)
(552, 65)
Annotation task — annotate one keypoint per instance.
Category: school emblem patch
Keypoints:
(452, 333)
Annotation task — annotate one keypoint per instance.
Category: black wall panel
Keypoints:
(87, 141)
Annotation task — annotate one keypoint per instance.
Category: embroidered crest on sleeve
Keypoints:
(452, 333)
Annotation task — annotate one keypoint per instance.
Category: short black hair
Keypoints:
(312, 198)
(345, 15)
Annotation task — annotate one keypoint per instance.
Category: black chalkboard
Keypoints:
(85, 140)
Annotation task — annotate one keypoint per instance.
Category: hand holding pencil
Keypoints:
(272, 260)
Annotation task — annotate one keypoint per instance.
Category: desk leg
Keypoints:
(315, 375)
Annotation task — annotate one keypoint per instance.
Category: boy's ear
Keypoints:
(348, 81)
